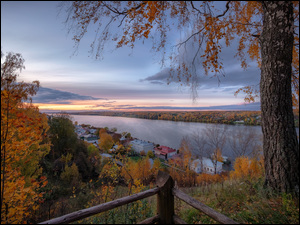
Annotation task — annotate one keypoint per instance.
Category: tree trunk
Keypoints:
(280, 144)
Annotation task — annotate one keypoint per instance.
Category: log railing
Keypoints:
(165, 192)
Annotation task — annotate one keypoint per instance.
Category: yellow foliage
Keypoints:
(140, 170)
(106, 141)
(247, 168)
(23, 144)
(71, 175)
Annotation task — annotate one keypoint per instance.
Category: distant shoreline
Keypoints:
(217, 117)
(248, 118)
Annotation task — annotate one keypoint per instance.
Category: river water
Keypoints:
(164, 132)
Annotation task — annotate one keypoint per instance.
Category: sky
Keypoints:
(125, 79)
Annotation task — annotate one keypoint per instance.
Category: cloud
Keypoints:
(160, 76)
(52, 96)
(233, 75)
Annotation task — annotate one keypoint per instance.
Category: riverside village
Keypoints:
(137, 147)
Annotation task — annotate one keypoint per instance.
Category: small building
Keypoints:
(90, 138)
(165, 152)
(208, 166)
(239, 122)
(105, 155)
(139, 146)
(92, 131)
(80, 131)
(196, 166)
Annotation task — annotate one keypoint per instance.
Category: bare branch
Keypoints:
(192, 4)
(227, 8)
(255, 35)
(184, 42)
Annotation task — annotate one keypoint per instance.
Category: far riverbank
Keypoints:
(216, 117)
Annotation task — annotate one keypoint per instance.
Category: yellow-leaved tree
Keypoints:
(265, 31)
(245, 168)
(23, 144)
(106, 141)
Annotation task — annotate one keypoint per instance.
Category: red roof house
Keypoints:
(165, 152)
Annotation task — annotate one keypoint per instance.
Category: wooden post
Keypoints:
(165, 198)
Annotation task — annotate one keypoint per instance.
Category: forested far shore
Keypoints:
(222, 117)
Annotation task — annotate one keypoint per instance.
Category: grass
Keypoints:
(242, 201)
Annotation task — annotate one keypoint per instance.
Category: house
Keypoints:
(139, 146)
(239, 122)
(165, 152)
(90, 138)
(208, 166)
(105, 155)
(196, 165)
(92, 131)
(80, 131)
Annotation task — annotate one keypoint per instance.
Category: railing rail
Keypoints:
(81, 214)
(203, 208)
(165, 192)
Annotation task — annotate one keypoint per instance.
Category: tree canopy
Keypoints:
(267, 32)
(23, 144)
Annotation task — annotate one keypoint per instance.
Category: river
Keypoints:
(164, 132)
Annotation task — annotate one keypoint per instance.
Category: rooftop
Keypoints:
(165, 149)
(140, 142)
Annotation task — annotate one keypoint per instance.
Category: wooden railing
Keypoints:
(165, 192)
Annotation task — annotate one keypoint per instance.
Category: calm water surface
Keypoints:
(161, 132)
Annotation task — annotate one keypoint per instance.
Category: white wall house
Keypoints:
(196, 165)
(208, 166)
(139, 146)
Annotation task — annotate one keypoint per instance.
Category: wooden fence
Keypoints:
(165, 192)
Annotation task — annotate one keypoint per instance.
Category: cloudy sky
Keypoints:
(125, 79)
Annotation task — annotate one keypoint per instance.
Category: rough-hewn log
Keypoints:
(178, 220)
(78, 215)
(203, 208)
(165, 198)
(150, 220)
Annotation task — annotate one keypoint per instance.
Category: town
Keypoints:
(142, 148)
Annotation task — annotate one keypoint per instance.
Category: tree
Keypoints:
(215, 138)
(245, 168)
(265, 32)
(185, 151)
(128, 135)
(70, 175)
(62, 135)
(23, 144)
(150, 154)
(143, 153)
(243, 142)
(199, 143)
(280, 144)
(216, 157)
(106, 141)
